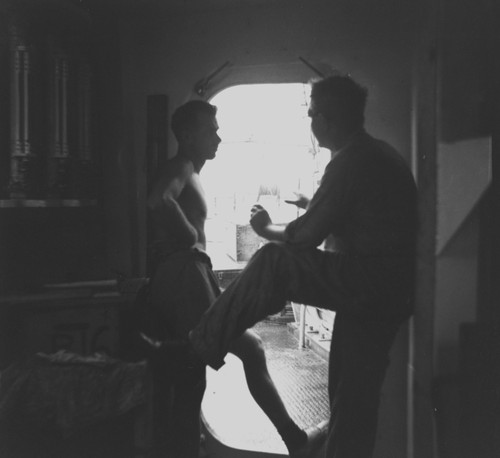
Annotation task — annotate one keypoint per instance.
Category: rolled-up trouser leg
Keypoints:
(275, 274)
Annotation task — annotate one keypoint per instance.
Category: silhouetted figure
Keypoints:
(184, 286)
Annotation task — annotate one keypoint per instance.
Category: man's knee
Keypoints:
(271, 249)
(273, 257)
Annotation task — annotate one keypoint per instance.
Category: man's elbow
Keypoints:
(156, 202)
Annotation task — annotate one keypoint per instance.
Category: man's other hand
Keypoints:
(301, 200)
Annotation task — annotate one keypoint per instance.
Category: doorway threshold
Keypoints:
(235, 427)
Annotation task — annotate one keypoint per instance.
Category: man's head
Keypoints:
(337, 108)
(195, 127)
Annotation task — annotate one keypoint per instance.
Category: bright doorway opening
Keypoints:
(267, 153)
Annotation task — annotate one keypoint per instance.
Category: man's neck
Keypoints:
(197, 163)
(344, 140)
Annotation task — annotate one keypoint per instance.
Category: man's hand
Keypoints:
(301, 200)
(259, 219)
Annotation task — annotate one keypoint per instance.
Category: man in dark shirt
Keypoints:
(365, 209)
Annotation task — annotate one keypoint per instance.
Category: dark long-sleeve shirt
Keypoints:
(366, 202)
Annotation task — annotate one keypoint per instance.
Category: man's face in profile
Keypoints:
(318, 123)
(203, 139)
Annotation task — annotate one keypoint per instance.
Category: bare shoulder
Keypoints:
(178, 167)
(171, 180)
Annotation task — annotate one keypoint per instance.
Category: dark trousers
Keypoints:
(359, 357)
(178, 393)
(183, 287)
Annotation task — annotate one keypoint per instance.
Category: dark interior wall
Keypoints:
(482, 79)
(469, 44)
(468, 91)
(169, 51)
(467, 270)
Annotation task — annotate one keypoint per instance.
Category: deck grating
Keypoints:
(234, 421)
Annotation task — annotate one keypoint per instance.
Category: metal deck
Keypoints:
(235, 426)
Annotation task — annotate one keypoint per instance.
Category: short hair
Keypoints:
(340, 99)
(186, 116)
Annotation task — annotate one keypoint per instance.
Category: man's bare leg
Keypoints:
(250, 350)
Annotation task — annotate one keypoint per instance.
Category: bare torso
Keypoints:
(178, 208)
(193, 203)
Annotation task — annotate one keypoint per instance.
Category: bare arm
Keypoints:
(164, 205)
(325, 210)
(261, 223)
(310, 229)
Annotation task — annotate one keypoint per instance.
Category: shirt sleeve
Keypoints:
(325, 212)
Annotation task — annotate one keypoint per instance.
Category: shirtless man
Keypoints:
(184, 285)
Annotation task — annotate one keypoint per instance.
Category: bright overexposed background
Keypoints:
(267, 152)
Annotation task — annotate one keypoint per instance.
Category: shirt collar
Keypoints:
(354, 137)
